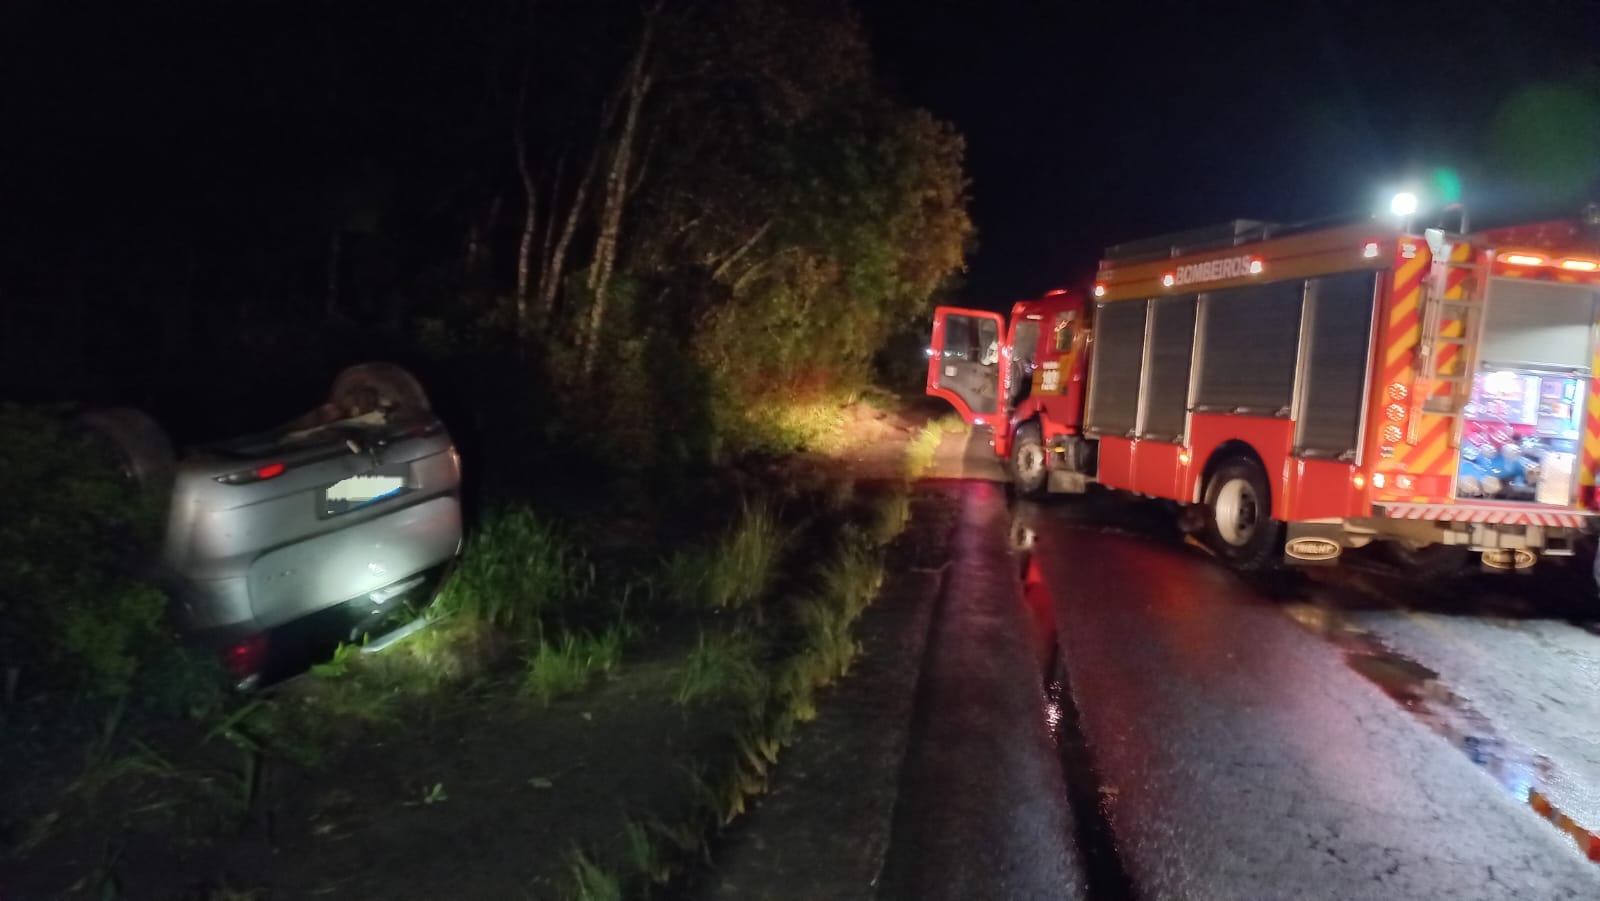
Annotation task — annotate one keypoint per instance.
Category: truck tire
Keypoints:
(1030, 471)
(378, 386)
(1239, 525)
(138, 445)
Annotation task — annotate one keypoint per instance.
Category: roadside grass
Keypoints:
(920, 452)
(590, 881)
(646, 858)
(452, 650)
(515, 569)
(854, 576)
(721, 667)
(816, 425)
(890, 516)
(812, 619)
(733, 572)
(841, 493)
(570, 663)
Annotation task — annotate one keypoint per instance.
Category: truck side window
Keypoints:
(1064, 332)
(1025, 343)
(960, 342)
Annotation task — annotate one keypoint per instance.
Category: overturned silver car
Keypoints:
(352, 509)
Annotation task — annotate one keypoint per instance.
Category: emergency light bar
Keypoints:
(1571, 264)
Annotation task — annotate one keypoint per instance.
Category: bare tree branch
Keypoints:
(638, 82)
(728, 261)
(530, 213)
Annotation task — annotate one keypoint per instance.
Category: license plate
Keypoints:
(358, 491)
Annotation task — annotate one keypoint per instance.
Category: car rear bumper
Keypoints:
(299, 579)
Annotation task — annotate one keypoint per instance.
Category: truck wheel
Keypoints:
(1431, 561)
(1028, 463)
(1239, 523)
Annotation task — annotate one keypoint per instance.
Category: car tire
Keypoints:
(1030, 470)
(1239, 525)
(1430, 561)
(139, 446)
(371, 386)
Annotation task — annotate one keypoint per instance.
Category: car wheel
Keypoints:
(378, 386)
(1029, 469)
(138, 444)
(1239, 523)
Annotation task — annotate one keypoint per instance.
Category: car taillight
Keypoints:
(259, 474)
(245, 658)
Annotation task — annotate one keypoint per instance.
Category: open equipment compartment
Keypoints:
(1522, 428)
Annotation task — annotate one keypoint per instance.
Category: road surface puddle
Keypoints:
(1419, 690)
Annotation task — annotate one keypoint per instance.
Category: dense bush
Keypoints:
(74, 611)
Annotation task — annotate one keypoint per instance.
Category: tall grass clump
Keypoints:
(646, 856)
(919, 453)
(721, 667)
(852, 578)
(830, 647)
(890, 516)
(736, 571)
(568, 664)
(590, 881)
(514, 569)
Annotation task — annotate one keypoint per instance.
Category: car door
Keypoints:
(964, 361)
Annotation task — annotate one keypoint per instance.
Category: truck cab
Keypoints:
(1023, 376)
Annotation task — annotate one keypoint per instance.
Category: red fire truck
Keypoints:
(1309, 390)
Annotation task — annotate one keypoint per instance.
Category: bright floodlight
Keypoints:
(1403, 204)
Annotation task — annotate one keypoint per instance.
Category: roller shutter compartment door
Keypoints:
(1338, 341)
(1168, 359)
(1114, 377)
(1249, 340)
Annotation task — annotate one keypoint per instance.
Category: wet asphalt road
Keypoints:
(983, 809)
(1234, 752)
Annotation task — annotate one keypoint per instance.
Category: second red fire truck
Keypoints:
(1311, 390)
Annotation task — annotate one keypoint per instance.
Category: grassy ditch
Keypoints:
(762, 659)
(919, 455)
(570, 726)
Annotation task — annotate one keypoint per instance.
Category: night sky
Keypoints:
(1094, 123)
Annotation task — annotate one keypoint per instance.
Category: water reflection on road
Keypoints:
(1521, 771)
